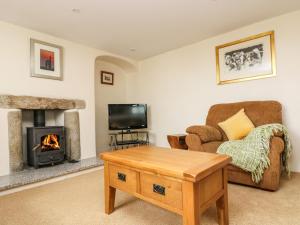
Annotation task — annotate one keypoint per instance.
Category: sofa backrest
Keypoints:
(260, 113)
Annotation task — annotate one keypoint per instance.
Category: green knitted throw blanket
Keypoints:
(251, 153)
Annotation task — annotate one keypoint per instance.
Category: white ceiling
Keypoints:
(150, 27)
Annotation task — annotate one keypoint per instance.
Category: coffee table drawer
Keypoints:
(162, 189)
(123, 178)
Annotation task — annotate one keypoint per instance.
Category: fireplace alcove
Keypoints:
(45, 144)
(38, 154)
(13, 108)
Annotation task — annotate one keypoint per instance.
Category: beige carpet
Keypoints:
(79, 201)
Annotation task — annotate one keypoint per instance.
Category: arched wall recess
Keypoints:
(124, 71)
(127, 66)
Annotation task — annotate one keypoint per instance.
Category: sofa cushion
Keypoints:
(259, 112)
(237, 126)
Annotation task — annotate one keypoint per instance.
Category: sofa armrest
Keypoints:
(205, 133)
(271, 178)
(276, 145)
(194, 143)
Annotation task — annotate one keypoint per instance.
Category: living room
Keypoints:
(120, 53)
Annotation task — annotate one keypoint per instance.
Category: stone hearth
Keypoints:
(11, 121)
(30, 176)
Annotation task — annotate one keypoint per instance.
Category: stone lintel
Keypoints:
(31, 102)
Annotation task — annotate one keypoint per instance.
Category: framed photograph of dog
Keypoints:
(107, 78)
(246, 59)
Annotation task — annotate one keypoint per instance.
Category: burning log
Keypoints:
(50, 142)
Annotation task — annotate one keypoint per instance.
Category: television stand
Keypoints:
(128, 138)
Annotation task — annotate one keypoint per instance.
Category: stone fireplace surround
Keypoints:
(11, 118)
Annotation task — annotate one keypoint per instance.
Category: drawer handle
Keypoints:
(122, 177)
(159, 189)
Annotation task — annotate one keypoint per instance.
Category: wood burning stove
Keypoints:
(45, 145)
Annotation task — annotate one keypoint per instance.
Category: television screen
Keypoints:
(127, 116)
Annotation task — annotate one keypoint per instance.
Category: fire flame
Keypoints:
(50, 142)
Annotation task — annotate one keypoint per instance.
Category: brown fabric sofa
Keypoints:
(207, 138)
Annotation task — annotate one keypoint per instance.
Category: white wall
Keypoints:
(104, 95)
(79, 69)
(180, 85)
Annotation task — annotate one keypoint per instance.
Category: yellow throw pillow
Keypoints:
(238, 126)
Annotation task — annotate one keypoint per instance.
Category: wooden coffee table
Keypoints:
(184, 182)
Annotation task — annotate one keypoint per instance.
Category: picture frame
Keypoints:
(46, 60)
(107, 77)
(246, 59)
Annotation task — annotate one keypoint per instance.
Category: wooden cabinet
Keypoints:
(177, 141)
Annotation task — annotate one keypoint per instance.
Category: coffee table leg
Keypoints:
(222, 203)
(191, 207)
(109, 192)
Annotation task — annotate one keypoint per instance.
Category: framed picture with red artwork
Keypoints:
(46, 60)
(107, 77)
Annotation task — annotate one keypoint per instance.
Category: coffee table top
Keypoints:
(185, 165)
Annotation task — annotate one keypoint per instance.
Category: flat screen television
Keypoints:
(127, 116)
